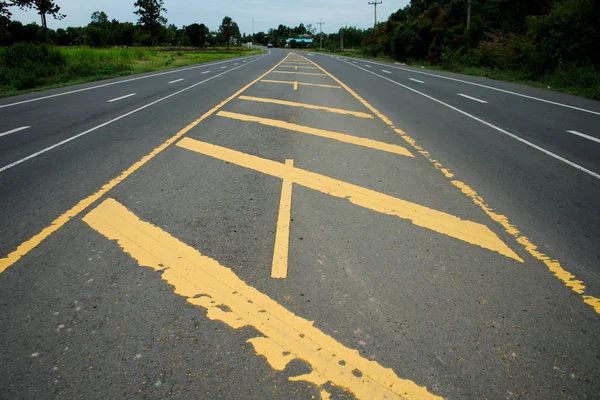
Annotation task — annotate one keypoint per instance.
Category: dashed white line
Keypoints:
(14, 130)
(368, 66)
(206, 72)
(224, 66)
(472, 98)
(583, 135)
(121, 98)
(353, 62)
(176, 80)
(36, 154)
(386, 71)
(416, 80)
(512, 135)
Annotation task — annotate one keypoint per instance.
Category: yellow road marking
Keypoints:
(468, 231)
(302, 84)
(59, 222)
(296, 66)
(554, 266)
(279, 267)
(310, 106)
(299, 73)
(342, 137)
(286, 337)
(295, 85)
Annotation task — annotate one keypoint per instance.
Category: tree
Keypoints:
(197, 33)
(4, 12)
(43, 7)
(99, 18)
(149, 13)
(229, 30)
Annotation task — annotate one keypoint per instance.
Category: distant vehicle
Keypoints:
(270, 45)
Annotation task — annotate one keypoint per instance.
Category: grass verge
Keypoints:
(27, 68)
(580, 81)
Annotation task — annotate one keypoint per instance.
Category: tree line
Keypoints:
(151, 29)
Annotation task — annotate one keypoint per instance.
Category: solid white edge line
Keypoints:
(416, 80)
(472, 98)
(176, 80)
(528, 143)
(114, 83)
(492, 88)
(29, 157)
(387, 72)
(121, 98)
(14, 130)
(583, 135)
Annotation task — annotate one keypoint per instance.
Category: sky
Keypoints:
(266, 13)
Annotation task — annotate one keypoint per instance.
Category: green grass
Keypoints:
(23, 70)
(581, 81)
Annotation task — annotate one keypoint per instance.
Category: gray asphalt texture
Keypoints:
(81, 319)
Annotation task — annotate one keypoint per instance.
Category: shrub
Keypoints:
(26, 65)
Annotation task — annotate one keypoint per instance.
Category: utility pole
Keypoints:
(321, 32)
(468, 14)
(253, 28)
(374, 4)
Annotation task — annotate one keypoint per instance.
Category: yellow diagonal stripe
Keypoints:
(342, 137)
(310, 106)
(286, 337)
(302, 83)
(299, 73)
(468, 231)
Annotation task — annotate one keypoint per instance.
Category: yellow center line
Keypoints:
(310, 106)
(302, 83)
(554, 266)
(299, 73)
(59, 222)
(284, 336)
(279, 267)
(438, 221)
(358, 141)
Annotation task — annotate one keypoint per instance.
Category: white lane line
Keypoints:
(121, 98)
(416, 80)
(224, 66)
(176, 80)
(368, 66)
(206, 72)
(29, 157)
(583, 135)
(472, 98)
(387, 72)
(310, 54)
(235, 63)
(512, 135)
(14, 130)
(493, 88)
(111, 84)
(245, 61)
(353, 62)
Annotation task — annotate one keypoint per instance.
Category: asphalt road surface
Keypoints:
(298, 226)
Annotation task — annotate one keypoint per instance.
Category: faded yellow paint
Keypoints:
(59, 222)
(297, 66)
(206, 283)
(310, 106)
(468, 231)
(553, 266)
(295, 85)
(358, 141)
(302, 84)
(279, 268)
(298, 73)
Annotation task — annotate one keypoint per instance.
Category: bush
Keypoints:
(25, 65)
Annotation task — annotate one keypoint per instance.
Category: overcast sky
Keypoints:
(266, 13)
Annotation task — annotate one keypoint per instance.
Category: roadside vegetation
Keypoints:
(547, 43)
(34, 57)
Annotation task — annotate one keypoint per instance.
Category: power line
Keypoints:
(374, 4)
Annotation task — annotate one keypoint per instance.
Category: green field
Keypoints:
(27, 67)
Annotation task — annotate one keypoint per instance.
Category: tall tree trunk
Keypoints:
(45, 26)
